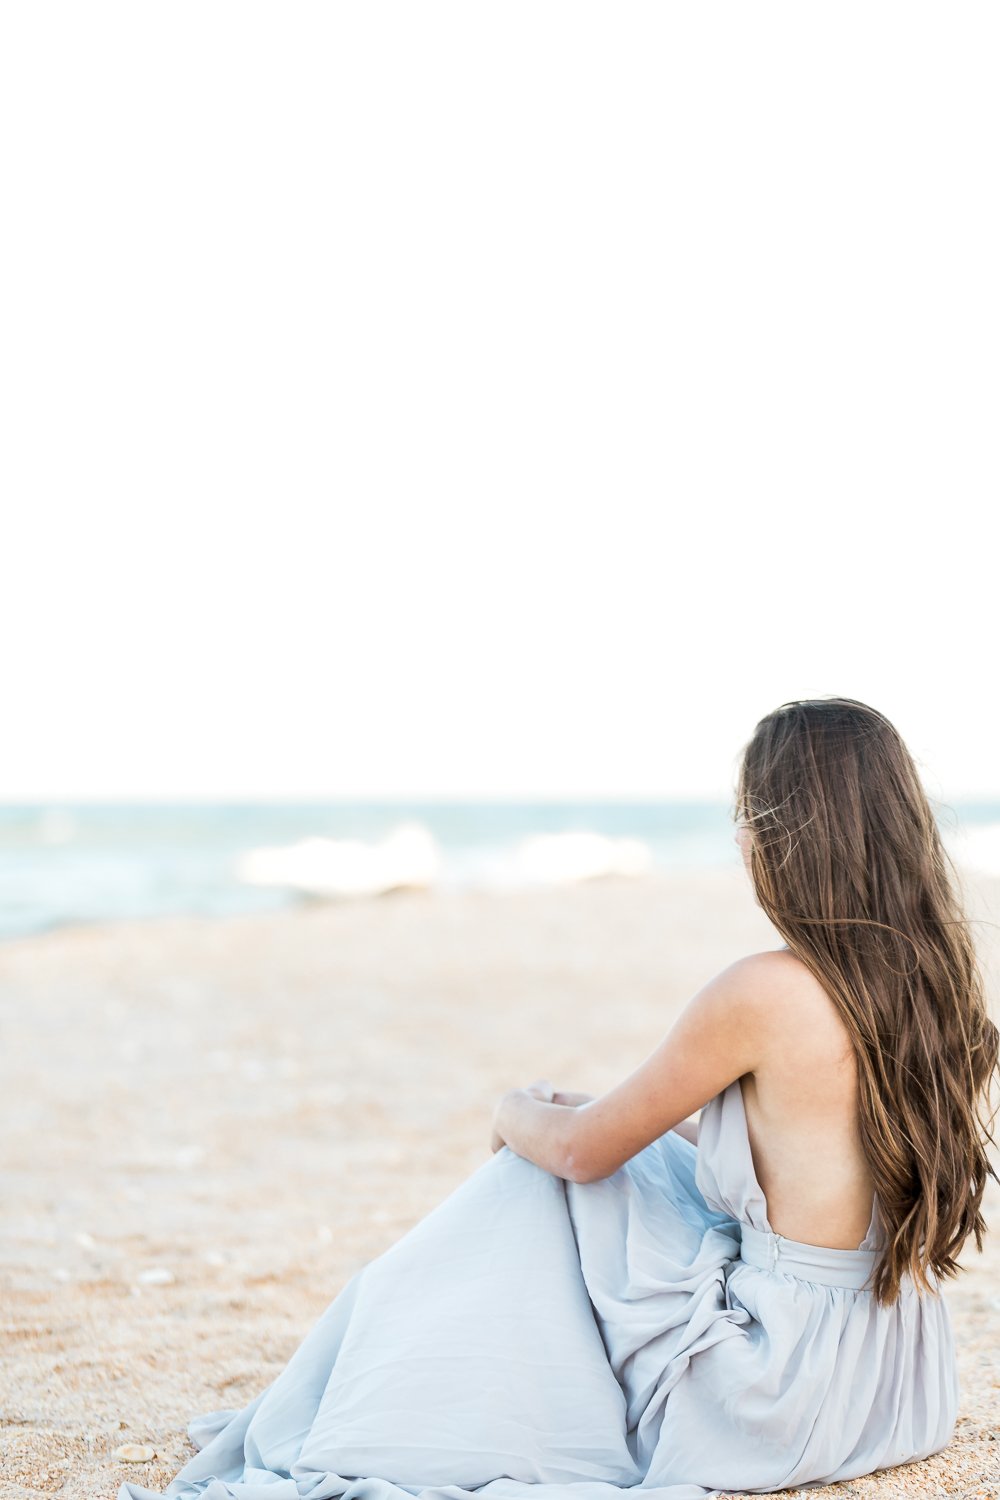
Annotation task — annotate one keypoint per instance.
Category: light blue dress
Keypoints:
(538, 1339)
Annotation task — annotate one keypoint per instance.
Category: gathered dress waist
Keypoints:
(768, 1251)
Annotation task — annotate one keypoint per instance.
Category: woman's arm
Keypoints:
(722, 1034)
(543, 1132)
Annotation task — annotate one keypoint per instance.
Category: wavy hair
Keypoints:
(847, 862)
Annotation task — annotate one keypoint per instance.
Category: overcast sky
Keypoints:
(451, 399)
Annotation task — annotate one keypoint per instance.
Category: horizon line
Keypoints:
(410, 799)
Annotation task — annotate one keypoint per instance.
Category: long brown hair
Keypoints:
(847, 861)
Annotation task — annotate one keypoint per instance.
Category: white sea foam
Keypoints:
(559, 860)
(976, 847)
(346, 867)
(409, 857)
(563, 858)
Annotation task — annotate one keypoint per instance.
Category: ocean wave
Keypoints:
(563, 858)
(408, 857)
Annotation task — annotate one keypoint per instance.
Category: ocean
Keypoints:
(86, 862)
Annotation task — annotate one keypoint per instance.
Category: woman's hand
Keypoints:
(540, 1089)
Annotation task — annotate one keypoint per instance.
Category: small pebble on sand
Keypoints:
(156, 1276)
(135, 1453)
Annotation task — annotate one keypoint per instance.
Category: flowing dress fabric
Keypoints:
(538, 1339)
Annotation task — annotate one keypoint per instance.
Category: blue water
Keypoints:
(72, 863)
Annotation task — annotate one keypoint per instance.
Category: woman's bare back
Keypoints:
(801, 1107)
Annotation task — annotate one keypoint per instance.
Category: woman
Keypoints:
(624, 1296)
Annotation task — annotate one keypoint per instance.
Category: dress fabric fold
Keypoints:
(533, 1338)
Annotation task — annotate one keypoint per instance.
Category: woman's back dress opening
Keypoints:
(533, 1338)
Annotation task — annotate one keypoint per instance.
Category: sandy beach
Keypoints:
(209, 1125)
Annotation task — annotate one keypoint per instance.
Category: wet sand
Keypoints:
(172, 1092)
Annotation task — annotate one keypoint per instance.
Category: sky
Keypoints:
(457, 400)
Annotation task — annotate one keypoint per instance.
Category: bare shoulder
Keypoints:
(750, 989)
(773, 976)
(766, 999)
(781, 995)
(795, 1013)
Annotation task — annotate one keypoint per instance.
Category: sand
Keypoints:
(172, 1091)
